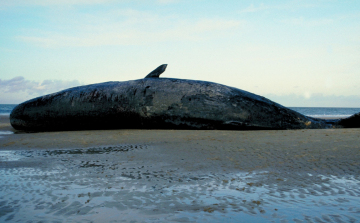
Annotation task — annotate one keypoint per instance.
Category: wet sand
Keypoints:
(180, 176)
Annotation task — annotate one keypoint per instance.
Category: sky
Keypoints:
(296, 53)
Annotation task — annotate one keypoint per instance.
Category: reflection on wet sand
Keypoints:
(103, 184)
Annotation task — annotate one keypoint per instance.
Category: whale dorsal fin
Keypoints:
(156, 73)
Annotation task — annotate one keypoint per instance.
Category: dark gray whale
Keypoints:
(160, 103)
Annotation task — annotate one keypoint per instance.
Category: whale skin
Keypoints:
(157, 103)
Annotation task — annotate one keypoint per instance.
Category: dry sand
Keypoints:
(180, 176)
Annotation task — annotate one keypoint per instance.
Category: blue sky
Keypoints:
(297, 53)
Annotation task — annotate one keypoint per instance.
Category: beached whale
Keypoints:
(158, 103)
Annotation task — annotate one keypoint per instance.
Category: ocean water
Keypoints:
(318, 112)
(5, 109)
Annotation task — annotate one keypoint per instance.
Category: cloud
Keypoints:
(34, 88)
(13, 3)
(253, 8)
(131, 27)
(301, 21)
(288, 6)
(166, 1)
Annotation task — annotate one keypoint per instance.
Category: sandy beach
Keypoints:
(179, 176)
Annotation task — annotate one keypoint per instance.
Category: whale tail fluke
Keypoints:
(351, 122)
(156, 73)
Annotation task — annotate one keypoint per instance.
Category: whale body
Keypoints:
(158, 103)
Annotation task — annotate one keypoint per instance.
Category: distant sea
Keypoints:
(5, 109)
(316, 112)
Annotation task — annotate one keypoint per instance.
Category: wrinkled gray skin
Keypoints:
(158, 103)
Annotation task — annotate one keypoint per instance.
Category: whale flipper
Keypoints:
(156, 73)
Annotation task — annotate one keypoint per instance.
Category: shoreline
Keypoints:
(180, 175)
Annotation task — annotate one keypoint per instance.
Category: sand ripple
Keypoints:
(122, 182)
